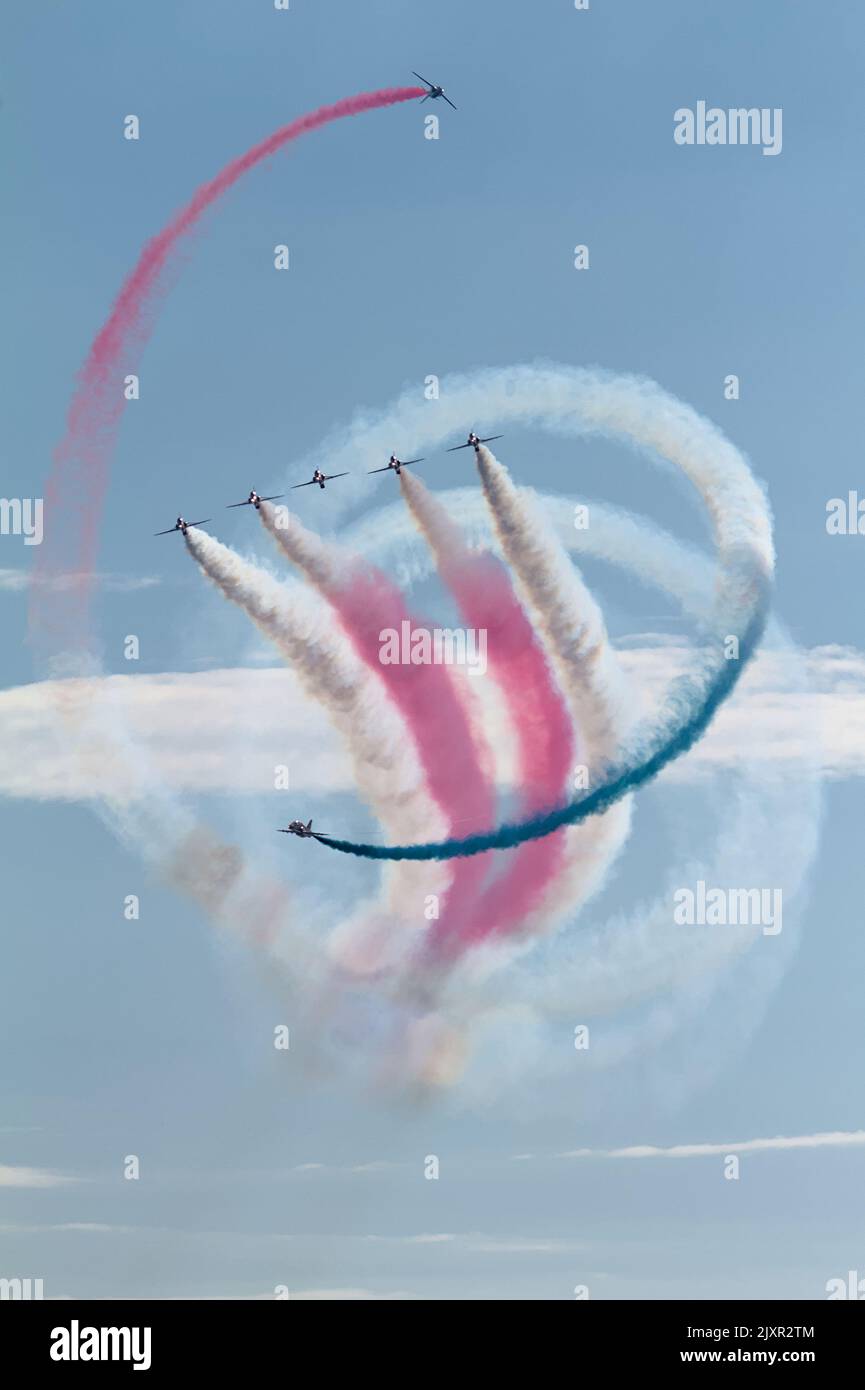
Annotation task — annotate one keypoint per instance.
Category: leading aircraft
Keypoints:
(297, 827)
(396, 464)
(473, 442)
(181, 525)
(320, 478)
(434, 91)
(254, 500)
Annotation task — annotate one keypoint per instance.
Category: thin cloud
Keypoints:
(32, 1177)
(378, 1165)
(832, 1139)
(505, 1246)
(193, 726)
(351, 1295)
(442, 1238)
(15, 581)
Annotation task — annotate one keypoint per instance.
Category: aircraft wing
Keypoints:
(247, 503)
(329, 477)
(203, 522)
(422, 79)
(454, 448)
(448, 100)
(491, 437)
(309, 484)
(168, 532)
(403, 463)
(274, 497)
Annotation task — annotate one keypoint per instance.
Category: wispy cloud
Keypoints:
(375, 1165)
(192, 725)
(350, 1295)
(69, 1228)
(433, 1238)
(378, 1165)
(832, 1139)
(523, 1247)
(479, 1244)
(32, 1177)
(15, 581)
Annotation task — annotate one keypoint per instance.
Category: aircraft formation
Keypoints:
(393, 465)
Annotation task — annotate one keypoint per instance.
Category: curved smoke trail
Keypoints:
(695, 703)
(76, 486)
(646, 416)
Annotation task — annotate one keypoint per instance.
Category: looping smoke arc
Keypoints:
(644, 415)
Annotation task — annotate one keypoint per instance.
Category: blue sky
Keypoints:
(412, 257)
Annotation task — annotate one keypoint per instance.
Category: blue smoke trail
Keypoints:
(704, 699)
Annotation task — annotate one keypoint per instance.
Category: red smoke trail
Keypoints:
(75, 490)
(536, 707)
(367, 603)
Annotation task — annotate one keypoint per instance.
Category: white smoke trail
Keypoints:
(388, 774)
(323, 564)
(585, 664)
(575, 402)
(580, 402)
(564, 609)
